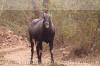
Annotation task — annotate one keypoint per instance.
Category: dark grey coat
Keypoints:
(38, 32)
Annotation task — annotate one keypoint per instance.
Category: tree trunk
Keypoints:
(95, 34)
(36, 8)
(46, 5)
(98, 20)
(1, 8)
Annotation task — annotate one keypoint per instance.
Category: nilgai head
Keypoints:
(47, 20)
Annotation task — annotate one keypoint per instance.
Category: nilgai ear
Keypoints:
(44, 14)
(50, 15)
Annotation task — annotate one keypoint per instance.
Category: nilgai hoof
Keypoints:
(52, 61)
(39, 62)
(31, 62)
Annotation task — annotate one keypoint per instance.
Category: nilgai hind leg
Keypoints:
(32, 50)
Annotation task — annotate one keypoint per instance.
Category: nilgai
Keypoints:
(42, 30)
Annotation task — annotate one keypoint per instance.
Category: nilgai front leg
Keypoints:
(39, 51)
(51, 51)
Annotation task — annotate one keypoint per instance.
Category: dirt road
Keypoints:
(20, 56)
